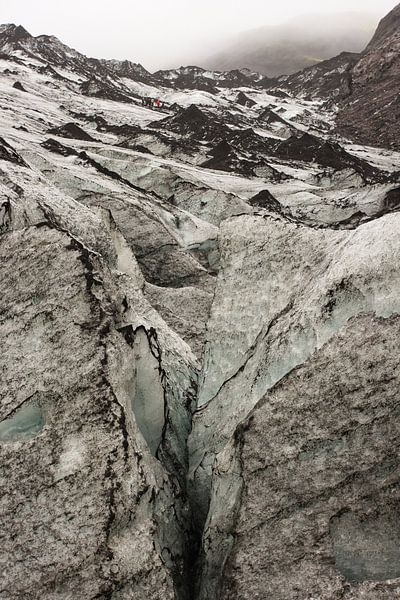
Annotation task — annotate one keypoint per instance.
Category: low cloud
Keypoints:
(162, 33)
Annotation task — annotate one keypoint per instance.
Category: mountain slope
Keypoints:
(372, 112)
(330, 79)
(295, 45)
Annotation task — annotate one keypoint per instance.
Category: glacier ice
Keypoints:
(26, 423)
(148, 403)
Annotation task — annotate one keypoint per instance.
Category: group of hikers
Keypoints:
(152, 102)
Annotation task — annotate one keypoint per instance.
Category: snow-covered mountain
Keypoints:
(199, 321)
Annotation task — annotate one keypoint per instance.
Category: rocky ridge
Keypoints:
(371, 113)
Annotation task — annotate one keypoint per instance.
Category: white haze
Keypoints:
(299, 42)
(161, 33)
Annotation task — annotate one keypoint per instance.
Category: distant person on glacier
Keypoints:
(147, 101)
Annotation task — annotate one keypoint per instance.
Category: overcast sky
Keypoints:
(161, 33)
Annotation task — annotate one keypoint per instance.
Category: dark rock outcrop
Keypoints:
(99, 89)
(72, 131)
(18, 86)
(309, 148)
(130, 70)
(194, 122)
(267, 115)
(225, 158)
(244, 100)
(265, 199)
(371, 114)
(330, 79)
(9, 154)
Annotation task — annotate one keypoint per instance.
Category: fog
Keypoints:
(165, 33)
(299, 42)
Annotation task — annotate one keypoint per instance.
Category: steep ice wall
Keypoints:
(147, 397)
(93, 491)
(283, 291)
(305, 497)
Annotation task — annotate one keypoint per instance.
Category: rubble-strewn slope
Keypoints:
(371, 114)
(330, 79)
